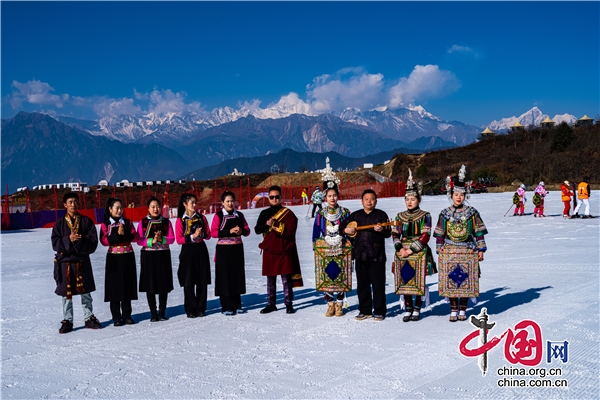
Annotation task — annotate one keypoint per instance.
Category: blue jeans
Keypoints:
(86, 304)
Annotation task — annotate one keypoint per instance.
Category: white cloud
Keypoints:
(424, 82)
(140, 95)
(35, 92)
(106, 107)
(250, 106)
(460, 49)
(350, 87)
(167, 101)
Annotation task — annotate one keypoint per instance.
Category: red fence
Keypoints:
(209, 198)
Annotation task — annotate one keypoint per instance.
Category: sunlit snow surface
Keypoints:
(543, 269)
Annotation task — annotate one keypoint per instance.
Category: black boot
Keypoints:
(162, 314)
(153, 316)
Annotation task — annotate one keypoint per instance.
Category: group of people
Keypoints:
(74, 238)
(340, 238)
(582, 193)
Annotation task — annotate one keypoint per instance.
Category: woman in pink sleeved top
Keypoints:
(228, 226)
(120, 283)
(191, 230)
(156, 275)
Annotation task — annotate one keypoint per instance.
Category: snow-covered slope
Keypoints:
(542, 269)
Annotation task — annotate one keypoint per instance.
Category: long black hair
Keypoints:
(109, 204)
(182, 201)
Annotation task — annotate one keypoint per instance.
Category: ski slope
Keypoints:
(542, 269)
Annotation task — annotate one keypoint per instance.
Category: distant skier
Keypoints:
(583, 192)
(538, 200)
(305, 196)
(566, 195)
(317, 199)
(519, 199)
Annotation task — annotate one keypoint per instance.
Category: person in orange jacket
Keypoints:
(583, 192)
(566, 195)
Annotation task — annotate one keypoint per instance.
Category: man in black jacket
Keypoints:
(368, 252)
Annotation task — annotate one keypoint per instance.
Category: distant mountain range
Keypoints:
(533, 117)
(38, 149)
(174, 129)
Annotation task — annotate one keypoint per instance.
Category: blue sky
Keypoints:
(471, 62)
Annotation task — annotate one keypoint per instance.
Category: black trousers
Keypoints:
(288, 289)
(315, 208)
(370, 274)
(120, 309)
(194, 298)
(162, 301)
(230, 303)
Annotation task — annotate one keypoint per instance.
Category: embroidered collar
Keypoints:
(332, 214)
(185, 216)
(233, 212)
(113, 221)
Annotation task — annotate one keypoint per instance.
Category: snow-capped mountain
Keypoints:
(174, 129)
(533, 117)
(409, 123)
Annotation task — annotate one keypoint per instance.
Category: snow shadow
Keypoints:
(498, 303)
(493, 300)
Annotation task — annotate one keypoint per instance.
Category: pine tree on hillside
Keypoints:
(562, 138)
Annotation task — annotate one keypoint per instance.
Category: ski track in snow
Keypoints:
(544, 269)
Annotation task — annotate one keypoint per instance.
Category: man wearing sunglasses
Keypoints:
(278, 226)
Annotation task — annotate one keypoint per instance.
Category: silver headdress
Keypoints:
(459, 182)
(412, 189)
(329, 178)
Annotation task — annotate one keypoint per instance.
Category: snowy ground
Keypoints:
(545, 269)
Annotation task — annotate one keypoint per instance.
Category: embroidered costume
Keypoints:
(333, 253)
(156, 273)
(411, 233)
(194, 262)
(120, 282)
(230, 275)
(460, 238)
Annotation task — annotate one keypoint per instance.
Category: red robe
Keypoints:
(280, 254)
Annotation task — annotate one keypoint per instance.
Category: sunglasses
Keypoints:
(274, 197)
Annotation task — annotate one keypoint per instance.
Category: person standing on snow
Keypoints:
(583, 192)
(538, 200)
(317, 199)
(520, 198)
(566, 195)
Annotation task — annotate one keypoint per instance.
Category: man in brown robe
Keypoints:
(74, 238)
(278, 226)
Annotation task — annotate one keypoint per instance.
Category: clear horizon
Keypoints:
(470, 62)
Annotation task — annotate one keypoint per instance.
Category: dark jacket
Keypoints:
(74, 258)
(368, 245)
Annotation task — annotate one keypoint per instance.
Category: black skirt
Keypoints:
(230, 276)
(194, 265)
(156, 275)
(120, 280)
